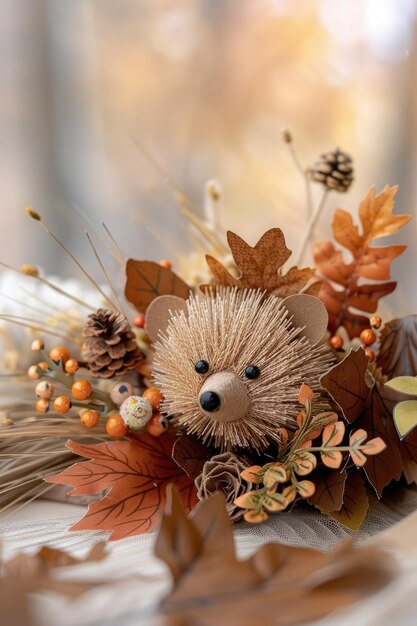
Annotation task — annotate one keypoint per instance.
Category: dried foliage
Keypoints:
(277, 484)
(370, 412)
(343, 288)
(260, 266)
(146, 280)
(278, 585)
(136, 474)
(397, 354)
(355, 502)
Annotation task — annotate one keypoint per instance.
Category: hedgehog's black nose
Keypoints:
(209, 401)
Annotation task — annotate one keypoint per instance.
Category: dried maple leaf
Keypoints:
(372, 263)
(146, 280)
(211, 586)
(260, 266)
(136, 474)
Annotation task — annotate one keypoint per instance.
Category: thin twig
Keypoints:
(310, 227)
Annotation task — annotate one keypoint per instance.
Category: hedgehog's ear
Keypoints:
(159, 313)
(308, 313)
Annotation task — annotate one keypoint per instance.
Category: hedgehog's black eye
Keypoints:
(252, 371)
(201, 367)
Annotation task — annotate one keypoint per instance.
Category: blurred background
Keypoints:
(90, 87)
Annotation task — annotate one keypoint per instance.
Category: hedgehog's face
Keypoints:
(230, 365)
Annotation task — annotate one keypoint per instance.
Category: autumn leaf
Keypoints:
(211, 586)
(136, 474)
(344, 288)
(190, 454)
(146, 280)
(260, 266)
(367, 409)
(355, 502)
(330, 488)
(397, 354)
(347, 385)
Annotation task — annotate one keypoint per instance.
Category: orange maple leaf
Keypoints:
(260, 266)
(135, 473)
(372, 263)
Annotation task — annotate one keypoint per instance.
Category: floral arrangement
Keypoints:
(270, 385)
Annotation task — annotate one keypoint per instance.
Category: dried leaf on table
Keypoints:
(48, 558)
(136, 473)
(146, 280)
(355, 502)
(211, 586)
(397, 354)
(260, 266)
(344, 288)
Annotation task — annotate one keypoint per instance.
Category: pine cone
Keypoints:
(110, 348)
(334, 170)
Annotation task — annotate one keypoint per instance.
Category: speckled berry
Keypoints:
(136, 412)
(120, 392)
(44, 389)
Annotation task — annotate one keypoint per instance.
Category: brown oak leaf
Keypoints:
(146, 280)
(398, 348)
(355, 502)
(260, 266)
(136, 474)
(344, 288)
(212, 586)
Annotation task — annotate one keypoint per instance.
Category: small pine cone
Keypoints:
(109, 347)
(334, 170)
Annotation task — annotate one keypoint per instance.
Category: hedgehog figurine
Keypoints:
(230, 363)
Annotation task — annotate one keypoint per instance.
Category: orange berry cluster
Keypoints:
(367, 336)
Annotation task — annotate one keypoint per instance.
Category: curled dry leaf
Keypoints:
(146, 280)
(135, 473)
(260, 266)
(211, 586)
(344, 288)
(330, 488)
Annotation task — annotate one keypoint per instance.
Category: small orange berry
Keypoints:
(89, 418)
(37, 345)
(367, 336)
(166, 264)
(81, 389)
(33, 372)
(157, 425)
(42, 405)
(71, 366)
(43, 365)
(140, 321)
(115, 426)
(336, 342)
(154, 396)
(370, 354)
(375, 321)
(62, 404)
(59, 353)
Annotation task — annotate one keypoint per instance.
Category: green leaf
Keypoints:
(405, 417)
(404, 384)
